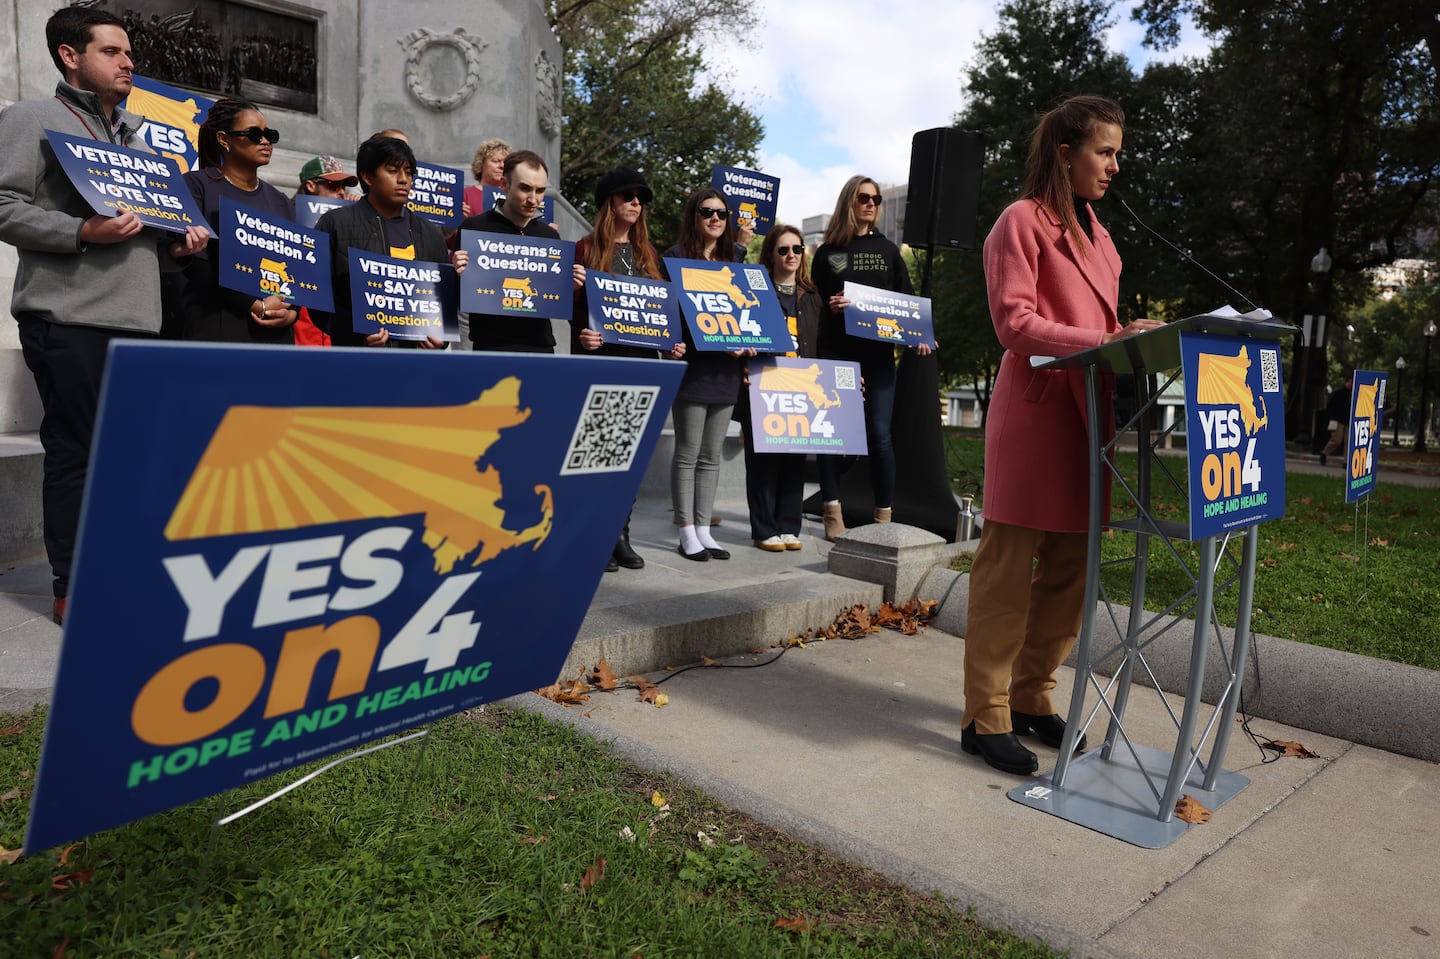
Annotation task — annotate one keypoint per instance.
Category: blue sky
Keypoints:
(842, 90)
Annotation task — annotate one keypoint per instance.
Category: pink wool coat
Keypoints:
(1048, 297)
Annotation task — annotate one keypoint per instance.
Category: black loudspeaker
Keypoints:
(944, 200)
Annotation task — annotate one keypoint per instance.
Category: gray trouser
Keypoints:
(695, 470)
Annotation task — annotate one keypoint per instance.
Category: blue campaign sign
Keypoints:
(899, 318)
(493, 195)
(325, 555)
(1235, 417)
(729, 306)
(412, 299)
(309, 209)
(437, 194)
(801, 405)
(115, 180)
(172, 119)
(510, 275)
(1362, 444)
(633, 310)
(750, 195)
(265, 256)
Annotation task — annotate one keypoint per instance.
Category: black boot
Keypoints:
(625, 555)
(1050, 730)
(1000, 750)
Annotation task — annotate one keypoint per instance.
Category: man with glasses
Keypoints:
(83, 279)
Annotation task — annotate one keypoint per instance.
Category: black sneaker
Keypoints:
(1002, 751)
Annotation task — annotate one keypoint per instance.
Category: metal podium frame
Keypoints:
(1109, 790)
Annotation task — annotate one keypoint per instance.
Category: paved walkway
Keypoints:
(855, 745)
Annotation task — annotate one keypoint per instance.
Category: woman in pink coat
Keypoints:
(1053, 279)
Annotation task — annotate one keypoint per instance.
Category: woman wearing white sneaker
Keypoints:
(774, 482)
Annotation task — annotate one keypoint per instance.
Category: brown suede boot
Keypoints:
(834, 521)
(882, 514)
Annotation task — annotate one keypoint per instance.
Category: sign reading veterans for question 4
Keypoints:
(899, 318)
(1362, 446)
(633, 310)
(172, 119)
(269, 257)
(729, 306)
(511, 275)
(413, 299)
(800, 405)
(324, 555)
(749, 194)
(116, 180)
(1236, 431)
(436, 194)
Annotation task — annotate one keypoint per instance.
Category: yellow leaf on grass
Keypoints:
(656, 799)
(797, 923)
(594, 874)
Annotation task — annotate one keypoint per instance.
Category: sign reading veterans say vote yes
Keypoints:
(749, 195)
(633, 310)
(269, 257)
(325, 554)
(412, 299)
(1362, 446)
(436, 194)
(801, 405)
(1235, 440)
(116, 180)
(309, 209)
(729, 306)
(511, 275)
(172, 119)
(899, 318)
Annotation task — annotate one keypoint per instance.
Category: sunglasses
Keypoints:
(706, 212)
(787, 250)
(630, 196)
(863, 198)
(255, 134)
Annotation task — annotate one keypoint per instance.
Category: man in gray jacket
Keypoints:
(83, 279)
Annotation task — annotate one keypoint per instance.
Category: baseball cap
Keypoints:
(326, 168)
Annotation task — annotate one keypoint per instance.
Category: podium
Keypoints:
(1122, 788)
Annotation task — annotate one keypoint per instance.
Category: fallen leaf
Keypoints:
(1287, 547)
(16, 793)
(550, 798)
(594, 874)
(708, 661)
(1190, 810)
(64, 858)
(1345, 528)
(1287, 748)
(1268, 562)
(1353, 559)
(70, 880)
(566, 692)
(1377, 541)
(705, 839)
(796, 923)
(533, 840)
(11, 731)
(660, 699)
(627, 834)
(603, 677)
(657, 800)
(10, 855)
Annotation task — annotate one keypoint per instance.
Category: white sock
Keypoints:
(689, 542)
(702, 533)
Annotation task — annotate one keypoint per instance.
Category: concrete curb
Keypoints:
(794, 823)
(1390, 706)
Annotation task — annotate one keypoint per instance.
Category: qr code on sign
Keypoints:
(755, 276)
(1270, 371)
(609, 429)
(844, 377)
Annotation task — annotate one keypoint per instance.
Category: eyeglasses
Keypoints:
(863, 198)
(787, 250)
(255, 134)
(706, 212)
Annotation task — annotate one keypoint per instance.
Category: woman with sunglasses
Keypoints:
(855, 252)
(620, 244)
(774, 482)
(234, 143)
(707, 395)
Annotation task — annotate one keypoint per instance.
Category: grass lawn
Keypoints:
(1323, 576)
(519, 839)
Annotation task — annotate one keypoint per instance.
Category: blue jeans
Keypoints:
(879, 377)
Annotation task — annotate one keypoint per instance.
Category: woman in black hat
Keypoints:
(619, 244)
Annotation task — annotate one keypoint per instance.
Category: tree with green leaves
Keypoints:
(634, 97)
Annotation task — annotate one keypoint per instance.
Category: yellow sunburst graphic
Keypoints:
(1365, 404)
(278, 468)
(1222, 383)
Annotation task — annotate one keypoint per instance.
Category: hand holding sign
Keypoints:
(116, 181)
(899, 318)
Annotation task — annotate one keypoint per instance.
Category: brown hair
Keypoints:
(767, 255)
(600, 251)
(692, 243)
(843, 226)
(1070, 124)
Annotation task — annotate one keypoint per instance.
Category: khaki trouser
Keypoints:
(1027, 587)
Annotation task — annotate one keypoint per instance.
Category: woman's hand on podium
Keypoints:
(1136, 326)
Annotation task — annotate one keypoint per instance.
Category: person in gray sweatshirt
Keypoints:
(83, 279)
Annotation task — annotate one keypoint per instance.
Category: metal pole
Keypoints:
(1399, 378)
(1424, 425)
(1204, 606)
(1239, 653)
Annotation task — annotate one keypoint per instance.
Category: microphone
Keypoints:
(1120, 197)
